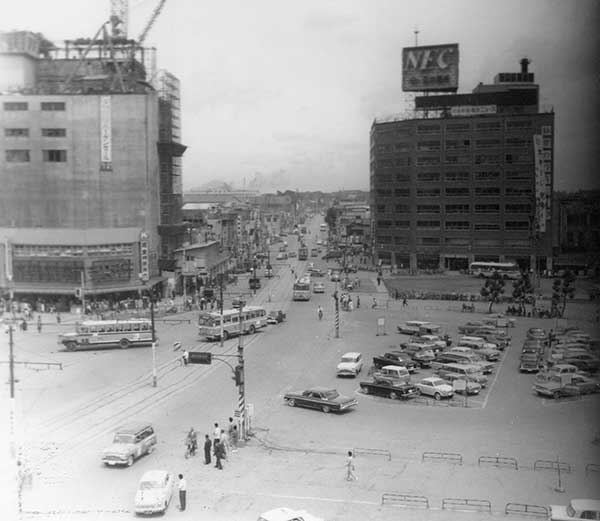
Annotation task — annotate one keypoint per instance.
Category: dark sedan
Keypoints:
(395, 358)
(322, 398)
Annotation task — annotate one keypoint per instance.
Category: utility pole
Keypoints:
(144, 280)
(221, 305)
(337, 311)
(241, 382)
(11, 361)
(82, 272)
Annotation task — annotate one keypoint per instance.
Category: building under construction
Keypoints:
(90, 165)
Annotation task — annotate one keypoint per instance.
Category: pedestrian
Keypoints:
(224, 441)
(207, 447)
(350, 467)
(350, 305)
(404, 302)
(185, 357)
(39, 323)
(230, 427)
(218, 452)
(57, 317)
(357, 301)
(182, 492)
(320, 312)
(216, 434)
(378, 280)
(234, 438)
(374, 305)
(396, 294)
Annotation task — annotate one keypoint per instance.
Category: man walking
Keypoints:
(39, 323)
(216, 434)
(357, 301)
(182, 492)
(207, 447)
(218, 451)
(350, 467)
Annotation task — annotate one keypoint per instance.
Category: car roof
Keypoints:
(321, 389)
(351, 353)
(586, 504)
(133, 428)
(431, 378)
(393, 367)
(154, 475)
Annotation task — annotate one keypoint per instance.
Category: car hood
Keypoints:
(120, 448)
(344, 366)
(149, 497)
(444, 388)
(342, 399)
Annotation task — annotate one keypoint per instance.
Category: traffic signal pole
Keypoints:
(240, 382)
(221, 305)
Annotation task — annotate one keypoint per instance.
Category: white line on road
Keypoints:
(316, 498)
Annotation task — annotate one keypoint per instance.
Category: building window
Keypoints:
(457, 176)
(487, 143)
(428, 160)
(16, 132)
(15, 105)
(515, 243)
(55, 156)
(429, 241)
(518, 124)
(456, 241)
(460, 159)
(518, 158)
(428, 208)
(428, 129)
(492, 159)
(428, 177)
(517, 191)
(402, 208)
(488, 126)
(402, 178)
(402, 224)
(402, 192)
(517, 208)
(400, 239)
(547, 142)
(384, 148)
(428, 224)
(518, 175)
(384, 224)
(401, 147)
(17, 156)
(487, 208)
(458, 208)
(402, 161)
(380, 208)
(53, 105)
(54, 132)
(458, 127)
(487, 175)
(546, 130)
(517, 142)
(384, 192)
(513, 226)
(487, 191)
(486, 242)
(462, 191)
(386, 163)
(486, 226)
(428, 192)
(458, 144)
(384, 239)
(428, 146)
(458, 225)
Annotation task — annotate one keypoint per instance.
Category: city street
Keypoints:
(295, 456)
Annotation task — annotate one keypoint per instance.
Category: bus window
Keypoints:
(84, 330)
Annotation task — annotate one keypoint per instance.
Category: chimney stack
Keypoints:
(524, 65)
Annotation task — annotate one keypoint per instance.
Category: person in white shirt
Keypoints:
(182, 492)
(350, 467)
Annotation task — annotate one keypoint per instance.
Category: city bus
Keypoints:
(253, 319)
(323, 227)
(301, 290)
(508, 270)
(100, 334)
(302, 253)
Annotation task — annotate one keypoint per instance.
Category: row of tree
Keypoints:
(563, 288)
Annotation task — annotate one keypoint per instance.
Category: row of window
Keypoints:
(24, 105)
(456, 191)
(462, 159)
(520, 174)
(456, 225)
(35, 250)
(456, 208)
(453, 241)
(464, 144)
(461, 127)
(24, 156)
(24, 132)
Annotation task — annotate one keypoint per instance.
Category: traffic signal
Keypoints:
(78, 292)
(199, 357)
(239, 375)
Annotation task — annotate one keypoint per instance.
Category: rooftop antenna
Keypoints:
(416, 31)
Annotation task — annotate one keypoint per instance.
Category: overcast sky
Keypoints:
(286, 91)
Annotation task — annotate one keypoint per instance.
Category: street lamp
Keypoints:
(240, 379)
(144, 279)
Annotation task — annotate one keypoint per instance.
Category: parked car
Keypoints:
(530, 363)
(553, 387)
(392, 373)
(323, 398)
(436, 387)
(130, 443)
(154, 492)
(584, 385)
(335, 276)
(423, 357)
(418, 344)
(576, 509)
(275, 317)
(468, 372)
(350, 364)
(462, 386)
(411, 327)
(287, 514)
(437, 341)
(317, 272)
(537, 333)
(391, 389)
(281, 256)
(583, 361)
(469, 327)
(292, 254)
(395, 358)
(319, 287)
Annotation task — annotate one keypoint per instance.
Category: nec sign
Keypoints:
(430, 68)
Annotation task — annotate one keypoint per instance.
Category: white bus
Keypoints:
(508, 270)
(99, 334)
(301, 290)
(323, 227)
(209, 322)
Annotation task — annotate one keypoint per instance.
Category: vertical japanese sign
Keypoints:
(105, 133)
(144, 257)
(8, 260)
(541, 203)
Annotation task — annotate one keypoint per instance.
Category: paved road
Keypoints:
(295, 457)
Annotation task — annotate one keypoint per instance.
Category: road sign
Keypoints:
(199, 357)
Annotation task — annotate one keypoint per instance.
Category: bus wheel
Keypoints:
(71, 346)
(252, 329)
(225, 335)
(124, 343)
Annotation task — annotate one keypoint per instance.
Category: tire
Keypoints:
(225, 335)
(124, 343)
(418, 391)
(393, 396)
(556, 395)
(291, 402)
(252, 330)
(326, 409)
(130, 461)
(437, 396)
(71, 346)
(366, 390)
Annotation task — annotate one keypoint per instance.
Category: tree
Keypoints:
(493, 288)
(522, 291)
(331, 217)
(562, 289)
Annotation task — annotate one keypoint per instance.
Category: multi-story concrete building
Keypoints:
(468, 177)
(81, 196)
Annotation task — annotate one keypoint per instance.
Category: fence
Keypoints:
(541, 464)
(376, 452)
(450, 457)
(525, 509)
(470, 505)
(498, 461)
(404, 500)
(592, 467)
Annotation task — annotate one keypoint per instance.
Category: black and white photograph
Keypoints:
(318, 260)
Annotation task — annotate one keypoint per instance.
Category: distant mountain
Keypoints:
(213, 186)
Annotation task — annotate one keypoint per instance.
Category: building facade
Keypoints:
(468, 178)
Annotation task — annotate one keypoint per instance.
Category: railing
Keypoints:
(376, 452)
(404, 500)
(498, 461)
(592, 467)
(552, 465)
(477, 505)
(450, 457)
(525, 509)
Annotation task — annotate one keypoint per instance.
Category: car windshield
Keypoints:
(149, 485)
(123, 438)
(330, 395)
(437, 382)
(348, 359)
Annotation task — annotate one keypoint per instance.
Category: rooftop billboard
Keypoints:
(430, 68)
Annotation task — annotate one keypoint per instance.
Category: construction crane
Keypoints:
(150, 22)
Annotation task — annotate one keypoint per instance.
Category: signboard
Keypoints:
(541, 203)
(473, 110)
(430, 68)
(110, 270)
(144, 257)
(8, 260)
(105, 133)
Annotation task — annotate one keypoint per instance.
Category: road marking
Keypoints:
(316, 498)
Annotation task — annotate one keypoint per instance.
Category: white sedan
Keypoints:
(436, 387)
(350, 364)
(154, 492)
(287, 514)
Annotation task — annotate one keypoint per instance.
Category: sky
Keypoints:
(281, 94)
